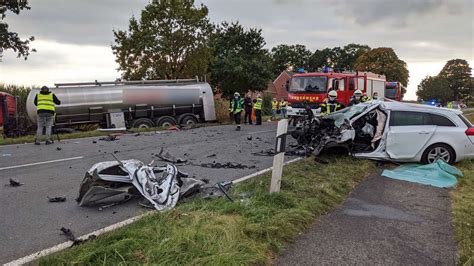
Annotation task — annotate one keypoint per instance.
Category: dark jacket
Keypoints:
(248, 103)
(55, 99)
(331, 105)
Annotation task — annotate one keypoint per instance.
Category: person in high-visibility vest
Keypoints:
(236, 109)
(248, 109)
(331, 105)
(450, 105)
(257, 107)
(274, 108)
(45, 102)
(282, 106)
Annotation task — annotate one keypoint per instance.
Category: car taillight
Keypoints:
(470, 131)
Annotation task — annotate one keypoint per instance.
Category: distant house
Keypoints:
(277, 87)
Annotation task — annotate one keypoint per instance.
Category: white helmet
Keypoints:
(332, 93)
(236, 94)
(358, 93)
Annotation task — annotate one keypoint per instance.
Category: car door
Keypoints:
(408, 133)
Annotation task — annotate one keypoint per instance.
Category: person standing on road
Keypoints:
(248, 109)
(282, 106)
(331, 105)
(45, 101)
(356, 98)
(236, 109)
(257, 107)
(274, 108)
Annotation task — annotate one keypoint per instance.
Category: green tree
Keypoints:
(435, 88)
(285, 56)
(10, 40)
(337, 57)
(384, 61)
(458, 73)
(350, 53)
(321, 58)
(169, 41)
(240, 61)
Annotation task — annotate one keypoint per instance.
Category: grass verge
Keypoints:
(248, 231)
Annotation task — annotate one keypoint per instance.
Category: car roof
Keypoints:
(400, 106)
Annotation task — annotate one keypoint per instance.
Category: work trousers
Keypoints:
(283, 113)
(258, 117)
(238, 118)
(45, 120)
(248, 114)
(274, 112)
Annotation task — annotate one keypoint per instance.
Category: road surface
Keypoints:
(382, 222)
(30, 223)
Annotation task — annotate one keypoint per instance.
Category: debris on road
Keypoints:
(15, 183)
(58, 148)
(56, 199)
(175, 128)
(230, 165)
(71, 237)
(110, 137)
(249, 138)
(169, 158)
(437, 174)
(115, 181)
(212, 155)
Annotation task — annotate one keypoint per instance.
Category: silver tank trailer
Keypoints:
(112, 97)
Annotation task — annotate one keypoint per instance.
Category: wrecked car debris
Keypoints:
(71, 237)
(231, 165)
(111, 137)
(15, 183)
(169, 158)
(115, 181)
(56, 199)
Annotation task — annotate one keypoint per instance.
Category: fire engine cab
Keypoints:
(312, 88)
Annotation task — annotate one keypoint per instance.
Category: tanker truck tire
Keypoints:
(187, 120)
(142, 123)
(166, 121)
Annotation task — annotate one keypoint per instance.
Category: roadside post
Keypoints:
(279, 157)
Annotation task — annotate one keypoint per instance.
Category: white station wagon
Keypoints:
(392, 131)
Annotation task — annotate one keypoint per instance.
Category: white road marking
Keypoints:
(38, 163)
(35, 256)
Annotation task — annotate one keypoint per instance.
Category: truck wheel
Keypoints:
(142, 123)
(188, 120)
(166, 121)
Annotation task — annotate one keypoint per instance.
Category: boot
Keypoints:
(48, 142)
(37, 142)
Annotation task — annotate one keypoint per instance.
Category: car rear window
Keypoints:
(468, 124)
(441, 121)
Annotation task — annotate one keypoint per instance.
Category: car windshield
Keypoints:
(347, 113)
(312, 84)
(391, 93)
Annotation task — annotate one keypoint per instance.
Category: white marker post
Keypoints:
(279, 157)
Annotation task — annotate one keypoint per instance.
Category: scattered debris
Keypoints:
(175, 128)
(110, 137)
(258, 138)
(15, 183)
(115, 152)
(74, 239)
(321, 161)
(56, 199)
(94, 141)
(212, 155)
(230, 165)
(58, 148)
(169, 158)
(249, 138)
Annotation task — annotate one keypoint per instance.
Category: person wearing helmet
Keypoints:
(236, 109)
(365, 98)
(356, 98)
(331, 104)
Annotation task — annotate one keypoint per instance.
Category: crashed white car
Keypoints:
(391, 131)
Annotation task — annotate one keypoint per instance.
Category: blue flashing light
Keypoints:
(326, 69)
(300, 70)
(433, 103)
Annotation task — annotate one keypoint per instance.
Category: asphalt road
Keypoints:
(29, 223)
(382, 222)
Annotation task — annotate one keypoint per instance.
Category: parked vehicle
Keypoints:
(139, 104)
(393, 90)
(392, 131)
(310, 89)
(8, 113)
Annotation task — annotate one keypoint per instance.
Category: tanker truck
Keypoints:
(138, 104)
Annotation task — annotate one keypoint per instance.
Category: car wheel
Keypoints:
(438, 152)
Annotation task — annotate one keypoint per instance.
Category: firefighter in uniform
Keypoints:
(45, 101)
(236, 109)
(257, 107)
(274, 108)
(282, 106)
(331, 105)
(365, 98)
(356, 98)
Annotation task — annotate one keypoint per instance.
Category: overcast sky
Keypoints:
(73, 38)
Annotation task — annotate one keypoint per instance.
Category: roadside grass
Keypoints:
(250, 230)
(463, 213)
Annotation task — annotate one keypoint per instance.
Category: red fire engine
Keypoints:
(393, 90)
(313, 88)
(8, 114)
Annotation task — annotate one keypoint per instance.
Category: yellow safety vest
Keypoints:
(45, 102)
(283, 105)
(258, 104)
(274, 105)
